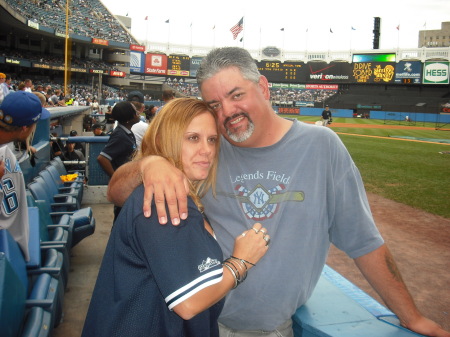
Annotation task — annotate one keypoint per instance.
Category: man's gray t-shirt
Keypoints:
(307, 192)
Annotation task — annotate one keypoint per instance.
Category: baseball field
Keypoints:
(406, 163)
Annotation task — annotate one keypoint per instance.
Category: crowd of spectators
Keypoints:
(58, 60)
(86, 18)
(183, 87)
(300, 95)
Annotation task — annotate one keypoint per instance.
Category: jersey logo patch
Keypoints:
(208, 264)
(261, 203)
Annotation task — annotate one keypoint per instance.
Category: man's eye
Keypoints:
(215, 107)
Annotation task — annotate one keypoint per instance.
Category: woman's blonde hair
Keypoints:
(164, 137)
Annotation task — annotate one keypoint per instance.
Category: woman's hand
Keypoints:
(252, 245)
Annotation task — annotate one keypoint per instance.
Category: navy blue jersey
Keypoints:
(148, 269)
(120, 147)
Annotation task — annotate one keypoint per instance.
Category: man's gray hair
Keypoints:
(226, 57)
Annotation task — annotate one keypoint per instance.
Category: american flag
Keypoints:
(237, 28)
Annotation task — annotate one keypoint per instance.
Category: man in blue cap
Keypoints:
(19, 113)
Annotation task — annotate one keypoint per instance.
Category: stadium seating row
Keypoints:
(32, 292)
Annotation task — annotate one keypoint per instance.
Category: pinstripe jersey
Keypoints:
(148, 269)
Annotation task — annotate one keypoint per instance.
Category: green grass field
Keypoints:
(413, 173)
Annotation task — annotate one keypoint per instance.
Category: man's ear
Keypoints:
(264, 85)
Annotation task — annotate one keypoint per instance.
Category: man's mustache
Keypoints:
(236, 115)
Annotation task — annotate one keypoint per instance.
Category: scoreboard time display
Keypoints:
(178, 65)
(276, 71)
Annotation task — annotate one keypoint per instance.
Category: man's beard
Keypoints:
(239, 136)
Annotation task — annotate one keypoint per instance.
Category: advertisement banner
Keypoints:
(100, 41)
(156, 64)
(408, 72)
(373, 72)
(435, 72)
(137, 47)
(195, 64)
(136, 62)
(116, 73)
(334, 72)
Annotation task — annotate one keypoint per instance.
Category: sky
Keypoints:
(317, 25)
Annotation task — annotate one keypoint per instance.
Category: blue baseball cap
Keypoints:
(22, 108)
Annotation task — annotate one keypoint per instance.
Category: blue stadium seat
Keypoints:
(79, 224)
(45, 258)
(15, 319)
(58, 203)
(12, 299)
(55, 191)
(61, 184)
(43, 291)
(58, 186)
(57, 162)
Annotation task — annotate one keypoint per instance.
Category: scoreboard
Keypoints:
(287, 72)
(178, 65)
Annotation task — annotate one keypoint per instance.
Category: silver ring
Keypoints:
(267, 240)
(263, 231)
(243, 234)
(256, 231)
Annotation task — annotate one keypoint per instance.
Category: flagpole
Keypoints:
(243, 35)
(191, 35)
(398, 36)
(168, 35)
(307, 33)
(260, 39)
(146, 34)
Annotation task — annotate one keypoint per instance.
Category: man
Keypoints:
(167, 96)
(306, 202)
(74, 155)
(326, 116)
(140, 127)
(28, 85)
(97, 130)
(135, 96)
(19, 113)
(78, 146)
(4, 90)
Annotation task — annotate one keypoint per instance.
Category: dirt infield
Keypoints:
(420, 243)
(375, 126)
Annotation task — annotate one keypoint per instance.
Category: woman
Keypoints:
(159, 280)
(121, 145)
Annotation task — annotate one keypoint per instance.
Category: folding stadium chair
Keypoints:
(79, 224)
(48, 258)
(63, 185)
(16, 317)
(57, 162)
(61, 203)
(44, 291)
(55, 190)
